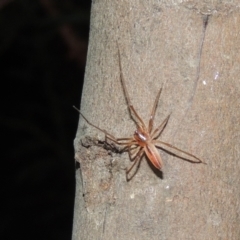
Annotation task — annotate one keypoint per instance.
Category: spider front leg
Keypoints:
(110, 136)
(157, 132)
(133, 113)
(128, 142)
(150, 124)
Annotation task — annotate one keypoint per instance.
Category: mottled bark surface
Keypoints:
(192, 49)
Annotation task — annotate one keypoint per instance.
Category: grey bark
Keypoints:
(191, 48)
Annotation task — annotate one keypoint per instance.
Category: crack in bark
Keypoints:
(205, 23)
(205, 19)
(102, 150)
(104, 220)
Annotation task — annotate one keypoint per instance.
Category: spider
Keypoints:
(144, 139)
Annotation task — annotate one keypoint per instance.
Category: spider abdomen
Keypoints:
(153, 155)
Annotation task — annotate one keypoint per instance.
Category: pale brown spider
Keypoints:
(144, 138)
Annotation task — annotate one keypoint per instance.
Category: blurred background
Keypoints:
(43, 47)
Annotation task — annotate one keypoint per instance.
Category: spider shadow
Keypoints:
(156, 171)
(160, 173)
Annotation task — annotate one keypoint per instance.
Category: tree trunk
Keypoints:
(191, 48)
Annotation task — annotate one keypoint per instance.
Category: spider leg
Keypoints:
(133, 151)
(129, 145)
(115, 141)
(157, 132)
(102, 130)
(120, 141)
(126, 141)
(135, 160)
(134, 115)
(177, 152)
(150, 124)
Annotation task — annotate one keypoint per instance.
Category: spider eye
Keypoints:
(135, 134)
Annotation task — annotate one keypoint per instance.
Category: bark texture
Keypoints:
(192, 49)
